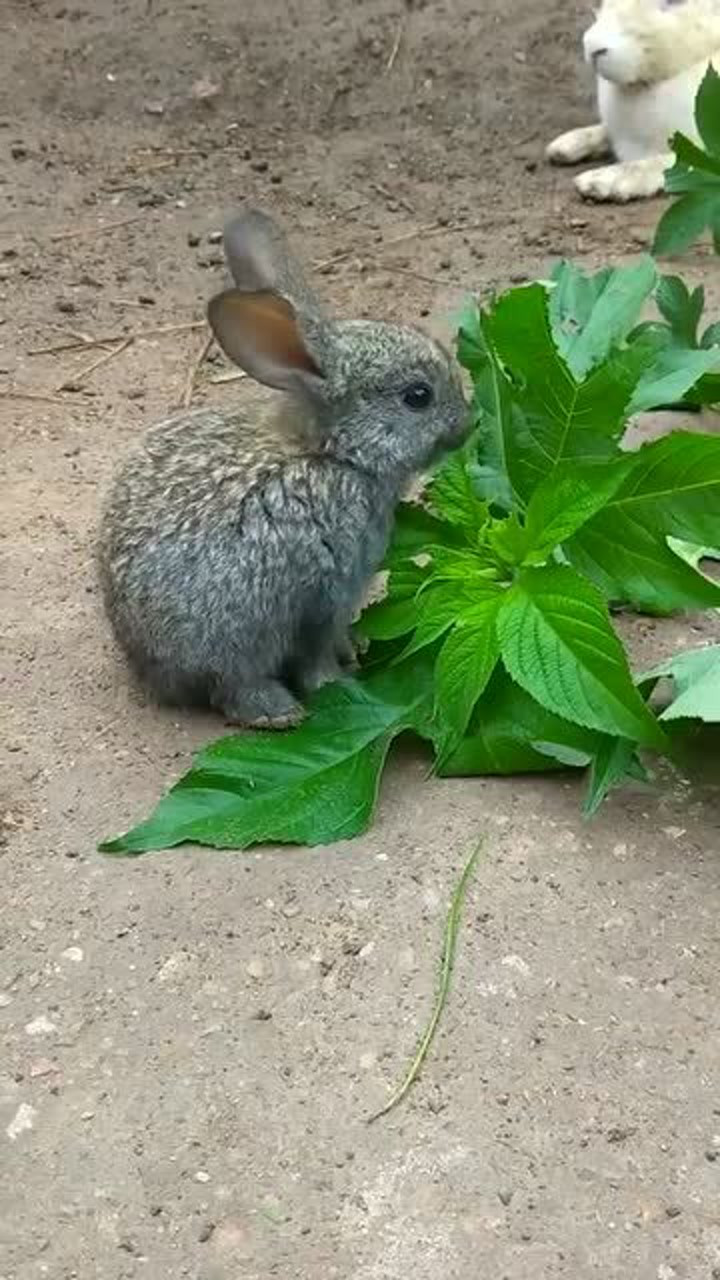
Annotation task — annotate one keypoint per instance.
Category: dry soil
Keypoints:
(192, 1042)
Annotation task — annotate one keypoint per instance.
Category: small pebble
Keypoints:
(206, 1232)
(42, 1067)
(193, 239)
(23, 1120)
(40, 1026)
(154, 108)
(202, 1176)
(66, 306)
(215, 237)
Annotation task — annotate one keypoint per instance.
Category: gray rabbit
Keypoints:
(236, 544)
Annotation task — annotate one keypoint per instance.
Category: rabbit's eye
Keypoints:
(418, 395)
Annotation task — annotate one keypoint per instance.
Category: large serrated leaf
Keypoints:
(558, 643)
(672, 490)
(548, 417)
(311, 785)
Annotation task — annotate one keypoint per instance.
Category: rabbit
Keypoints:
(235, 545)
(649, 57)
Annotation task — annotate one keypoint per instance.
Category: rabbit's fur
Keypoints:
(236, 545)
(649, 57)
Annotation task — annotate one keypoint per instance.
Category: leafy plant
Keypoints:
(494, 641)
(696, 680)
(679, 332)
(694, 177)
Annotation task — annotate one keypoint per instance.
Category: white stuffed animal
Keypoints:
(649, 57)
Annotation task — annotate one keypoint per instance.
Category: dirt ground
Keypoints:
(192, 1042)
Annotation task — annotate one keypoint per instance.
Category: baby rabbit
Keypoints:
(236, 544)
(649, 57)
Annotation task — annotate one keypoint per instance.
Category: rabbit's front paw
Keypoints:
(577, 145)
(345, 652)
(634, 180)
(262, 706)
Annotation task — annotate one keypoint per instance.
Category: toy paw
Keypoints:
(619, 183)
(570, 147)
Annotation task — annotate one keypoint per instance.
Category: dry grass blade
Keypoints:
(75, 379)
(230, 375)
(441, 281)
(85, 343)
(74, 233)
(13, 394)
(396, 46)
(194, 370)
(452, 926)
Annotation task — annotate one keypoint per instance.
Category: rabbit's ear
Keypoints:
(260, 333)
(260, 258)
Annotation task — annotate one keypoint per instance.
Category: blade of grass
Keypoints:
(452, 925)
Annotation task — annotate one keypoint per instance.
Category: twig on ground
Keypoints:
(75, 379)
(445, 281)
(396, 46)
(230, 375)
(452, 925)
(338, 256)
(432, 229)
(74, 233)
(390, 197)
(194, 370)
(13, 394)
(82, 344)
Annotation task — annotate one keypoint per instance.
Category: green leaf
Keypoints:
(681, 309)
(696, 676)
(671, 373)
(544, 416)
(492, 408)
(467, 568)
(565, 500)
(414, 528)
(311, 785)
(591, 315)
(438, 611)
(707, 111)
(672, 490)
(684, 222)
(614, 761)
(452, 495)
(691, 553)
(464, 665)
(557, 642)
(509, 732)
(711, 336)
